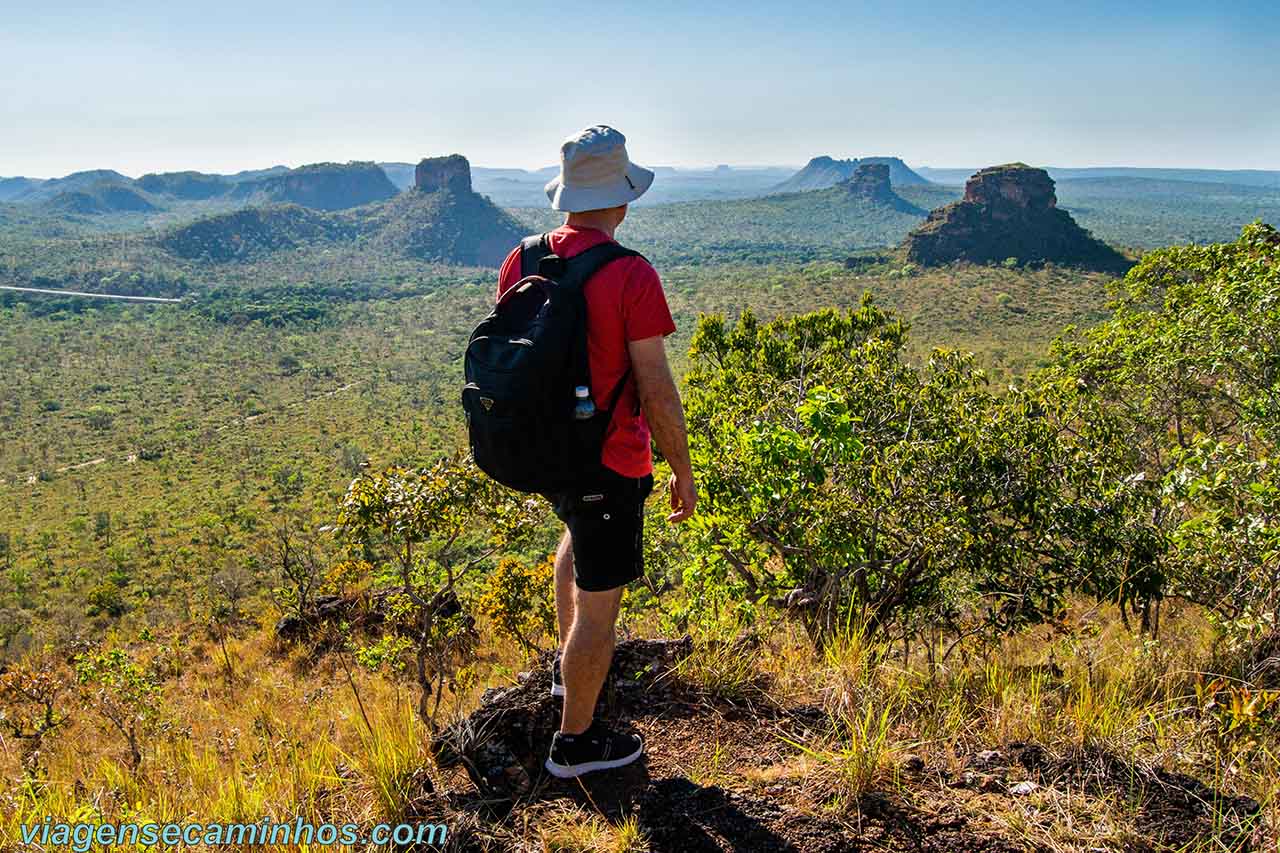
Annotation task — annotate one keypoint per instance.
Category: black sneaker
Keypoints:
(557, 680)
(598, 748)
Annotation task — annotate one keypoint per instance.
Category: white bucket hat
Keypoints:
(596, 173)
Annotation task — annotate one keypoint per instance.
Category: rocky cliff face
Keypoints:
(1010, 191)
(457, 227)
(441, 173)
(871, 181)
(1008, 211)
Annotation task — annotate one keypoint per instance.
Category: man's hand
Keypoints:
(684, 497)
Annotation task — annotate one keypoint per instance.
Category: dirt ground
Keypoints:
(720, 776)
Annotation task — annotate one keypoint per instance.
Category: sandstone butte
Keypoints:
(870, 181)
(1009, 211)
(439, 173)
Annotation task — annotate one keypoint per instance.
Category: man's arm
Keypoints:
(660, 400)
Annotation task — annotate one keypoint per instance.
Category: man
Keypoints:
(601, 551)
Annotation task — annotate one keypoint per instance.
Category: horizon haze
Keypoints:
(159, 89)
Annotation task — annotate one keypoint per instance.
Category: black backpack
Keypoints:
(522, 365)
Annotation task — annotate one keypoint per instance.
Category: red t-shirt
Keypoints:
(625, 303)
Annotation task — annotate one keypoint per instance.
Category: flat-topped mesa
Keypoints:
(871, 181)
(1008, 211)
(440, 173)
(1010, 189)
(822, 172)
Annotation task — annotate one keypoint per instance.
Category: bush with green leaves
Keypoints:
(517, 600)
(1189, 366)
(422, 533)
(845, 484)
(124, 692)
(105, 598)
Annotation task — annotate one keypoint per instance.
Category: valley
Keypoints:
(200, 369)
(281, 305)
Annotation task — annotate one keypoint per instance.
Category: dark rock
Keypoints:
(988, 758)
(503, 743)
(443, 173)
(325, 612)
(1010, 190)
(1031, 756)
(1007, 212)
(447, 226)
(871, 181)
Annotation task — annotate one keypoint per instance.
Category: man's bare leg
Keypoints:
(587, 656)
(565, 588)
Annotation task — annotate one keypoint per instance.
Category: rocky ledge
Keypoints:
(441, 173)
(871, 182)
(1009, 211)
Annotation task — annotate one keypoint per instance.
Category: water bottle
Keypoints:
(584, 408)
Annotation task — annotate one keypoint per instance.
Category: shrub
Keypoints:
(30, 706)
(106, 599)
(1189, 366)
(99, 418)
(517, 599)
(421, 532)
(124, 693)
(843, 483)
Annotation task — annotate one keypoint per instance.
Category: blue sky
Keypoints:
(155, 86)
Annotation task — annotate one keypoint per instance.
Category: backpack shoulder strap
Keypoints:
(580, 268)
(532, 250)
(578, 271)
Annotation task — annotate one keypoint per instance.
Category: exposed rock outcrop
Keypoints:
(1008, 211)
(450, 227)
(443, 173)
(456, 227)
(503, 742)
(870, 182)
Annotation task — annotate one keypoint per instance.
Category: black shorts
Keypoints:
(605, 517)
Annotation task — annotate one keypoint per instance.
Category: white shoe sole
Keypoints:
(572, 771)
(557, 690)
